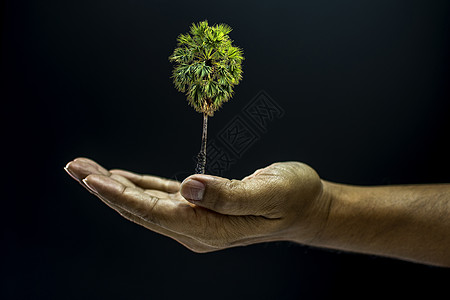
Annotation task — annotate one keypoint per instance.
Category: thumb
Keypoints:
(230, 197)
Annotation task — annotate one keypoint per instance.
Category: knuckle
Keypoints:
(228, 194)
(234, 186)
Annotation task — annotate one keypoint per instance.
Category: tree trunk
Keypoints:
(201, 157)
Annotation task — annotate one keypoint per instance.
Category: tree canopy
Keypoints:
(207, 66)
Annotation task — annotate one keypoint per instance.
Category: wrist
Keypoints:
(323, 206)
(312, 220)
(329, 198)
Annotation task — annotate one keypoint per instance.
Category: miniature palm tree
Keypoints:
(207, 67)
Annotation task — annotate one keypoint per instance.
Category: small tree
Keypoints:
(207, 67)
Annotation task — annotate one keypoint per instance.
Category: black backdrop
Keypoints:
(364, 86)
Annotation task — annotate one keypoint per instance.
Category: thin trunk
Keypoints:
(201, 157)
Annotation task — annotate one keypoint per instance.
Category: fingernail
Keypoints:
(66, 168)
(193, 190)
(90, 188)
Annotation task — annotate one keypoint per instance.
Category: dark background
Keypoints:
(364, 86)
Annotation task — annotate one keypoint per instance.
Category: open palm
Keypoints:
(156, 203)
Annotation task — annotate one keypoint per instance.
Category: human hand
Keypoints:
(283, 201)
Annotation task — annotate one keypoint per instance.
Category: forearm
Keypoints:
(407, 222)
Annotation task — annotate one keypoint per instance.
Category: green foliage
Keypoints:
(207, 66)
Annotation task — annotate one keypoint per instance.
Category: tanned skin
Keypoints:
(285, 201)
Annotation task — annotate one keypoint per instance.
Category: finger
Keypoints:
(159, 194)
(186, 241)
(179, 217)
(123, 181)
(152, 209)
(230, 197)
(92, 162)
(150, 182)
(80, 168)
